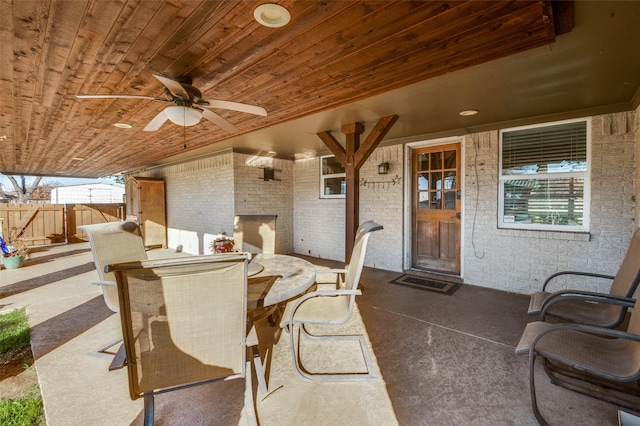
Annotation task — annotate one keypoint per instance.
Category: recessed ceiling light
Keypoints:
(468, 112)
(77, 159)
(272, 15)
(122, 125)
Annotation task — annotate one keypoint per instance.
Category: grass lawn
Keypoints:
(25, 409)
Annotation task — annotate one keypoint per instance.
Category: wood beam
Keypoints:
(374, 138)
(352, 178)
(334, 146)
(352, 157)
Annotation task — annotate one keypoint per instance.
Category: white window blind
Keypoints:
(545, 150)
(544, 177)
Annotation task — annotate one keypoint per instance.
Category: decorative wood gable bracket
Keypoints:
(353, 157)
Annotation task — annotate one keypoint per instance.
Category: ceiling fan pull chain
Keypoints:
(184, 132)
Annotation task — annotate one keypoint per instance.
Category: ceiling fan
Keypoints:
(189, 106)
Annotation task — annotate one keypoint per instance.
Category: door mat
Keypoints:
(442, 287)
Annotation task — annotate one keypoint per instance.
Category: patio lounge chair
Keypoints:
(331, 307)
(600, 362)
(184, 322)
(586, 307)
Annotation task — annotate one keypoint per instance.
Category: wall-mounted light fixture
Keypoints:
(383, 168)
(270, 174)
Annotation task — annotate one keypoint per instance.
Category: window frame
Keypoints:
(586, 175)
(324, 177)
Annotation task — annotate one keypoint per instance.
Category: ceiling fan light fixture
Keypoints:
(272, 15)
(183, 116)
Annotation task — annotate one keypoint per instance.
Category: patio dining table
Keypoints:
(276, 278)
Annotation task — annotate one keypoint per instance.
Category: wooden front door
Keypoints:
(436, 208)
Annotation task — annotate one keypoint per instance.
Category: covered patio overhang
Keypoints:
(335, 63)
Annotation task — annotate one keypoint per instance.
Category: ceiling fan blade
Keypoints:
(235, 106)
(153, 98)
(173, 86)
(219, 121)
(156, 122)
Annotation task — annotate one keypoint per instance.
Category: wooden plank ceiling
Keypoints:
(330, 54)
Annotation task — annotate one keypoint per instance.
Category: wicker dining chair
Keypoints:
(184, 322)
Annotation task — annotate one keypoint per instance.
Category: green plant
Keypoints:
(13, 245)
(14, 331)
(23, 411)
(15, 336)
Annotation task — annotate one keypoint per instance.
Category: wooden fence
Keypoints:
(41, 224)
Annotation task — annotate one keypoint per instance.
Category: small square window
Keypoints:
(332, 178)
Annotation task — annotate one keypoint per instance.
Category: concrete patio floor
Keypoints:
(446, 360)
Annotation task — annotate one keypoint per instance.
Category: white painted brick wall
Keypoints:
(381, 200)
(520, 261)
(254, 195)
(202, 201)
(204, 196)
(319, 222)
(199, 202)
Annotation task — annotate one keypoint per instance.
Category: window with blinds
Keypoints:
(544, 177)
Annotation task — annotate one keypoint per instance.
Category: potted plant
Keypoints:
(14, 250)
(222, 243)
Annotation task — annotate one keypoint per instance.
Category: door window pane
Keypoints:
(436, 160)
(423, 162)
(449, 159)
(436, 180)
(423, 181)
(450, 180)
(450, 200)
(423, 200)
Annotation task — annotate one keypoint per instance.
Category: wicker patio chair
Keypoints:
(184, 322)
(586, 307)
(330, 307)
(596, 361)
